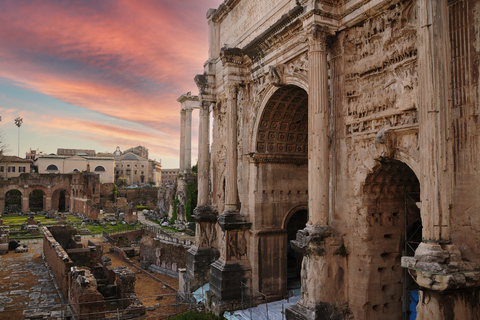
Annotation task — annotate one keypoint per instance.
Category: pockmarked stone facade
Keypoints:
(344, 157)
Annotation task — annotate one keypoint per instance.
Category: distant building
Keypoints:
(13, 166)
(134, 167)
(76, 152)
(103, 166)
(33, 155)
(169, 176)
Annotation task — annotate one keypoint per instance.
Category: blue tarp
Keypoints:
(413, 304)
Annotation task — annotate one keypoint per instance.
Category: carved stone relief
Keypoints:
(380, 71)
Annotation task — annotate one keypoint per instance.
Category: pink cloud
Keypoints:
(126, 59)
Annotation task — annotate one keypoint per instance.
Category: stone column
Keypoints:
(183, 118)
(231, 170)
(203, 154)
(318, 129)
(446, 282)
(188, 141)
(318, 297)
(233, 267)
(25, 203)
(201, 255)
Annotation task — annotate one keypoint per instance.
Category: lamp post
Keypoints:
(18, 123)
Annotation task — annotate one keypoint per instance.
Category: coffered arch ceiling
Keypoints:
(283, 126)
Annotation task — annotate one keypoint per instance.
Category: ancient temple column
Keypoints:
(183, 117)
(446, 281)
(188, 140)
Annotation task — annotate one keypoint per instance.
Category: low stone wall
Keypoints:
(58, 260)
(163, 252)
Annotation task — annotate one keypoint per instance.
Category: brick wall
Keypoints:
(57, 259)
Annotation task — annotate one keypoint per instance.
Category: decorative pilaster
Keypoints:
(446, 282)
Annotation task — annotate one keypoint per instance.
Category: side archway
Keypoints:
(393, 226)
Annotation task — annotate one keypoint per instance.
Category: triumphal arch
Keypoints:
(344, 157)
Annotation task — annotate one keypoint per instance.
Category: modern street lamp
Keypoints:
(18, 123)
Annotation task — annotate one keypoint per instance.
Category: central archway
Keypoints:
(281, 167)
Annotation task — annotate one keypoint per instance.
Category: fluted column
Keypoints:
(203, 153)
(188, 140)
(315, 241)
(183, 115)
(434, 131)
(231, 170)
(318, 138)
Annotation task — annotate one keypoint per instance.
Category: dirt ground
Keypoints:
(154, 294)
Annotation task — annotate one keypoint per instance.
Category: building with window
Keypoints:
(169, 176)
(103, 166)
(133, 167)
(13, 166)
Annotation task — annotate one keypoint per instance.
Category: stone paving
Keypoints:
(26, 286)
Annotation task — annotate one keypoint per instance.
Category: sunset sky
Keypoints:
(93, 74)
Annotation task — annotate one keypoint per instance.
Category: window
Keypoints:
(11, 169)
(135, 171)
(99, 169)
(128, 166)
(143, 166)
(52, 167)
(117, 165)
(135, 166)
(2, 169)
(143, 172)
(21, 169)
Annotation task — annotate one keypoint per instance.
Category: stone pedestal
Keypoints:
(203, 253)
(318, 244)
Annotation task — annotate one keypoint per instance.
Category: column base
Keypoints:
(225, 285)
(205, 214)
(449, 286)
(198, 267)
(232, 220)
(321, 311)
(440, 267)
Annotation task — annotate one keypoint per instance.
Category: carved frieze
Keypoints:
(381, 71)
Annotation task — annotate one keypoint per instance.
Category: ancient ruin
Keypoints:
(343, 157)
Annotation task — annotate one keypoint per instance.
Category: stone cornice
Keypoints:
(278, 158)
(260, 44)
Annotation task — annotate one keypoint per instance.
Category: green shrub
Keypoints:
(174, 210)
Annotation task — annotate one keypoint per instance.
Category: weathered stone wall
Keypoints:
(465, 54)
(163, 253)
(141, 196)
(84, 297)
(57, 259)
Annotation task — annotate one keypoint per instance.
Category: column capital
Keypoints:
(231, 90)
(316, 36)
